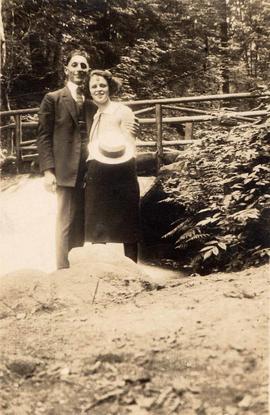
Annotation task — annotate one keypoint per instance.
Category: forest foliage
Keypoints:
(159, 48)
(220, 187)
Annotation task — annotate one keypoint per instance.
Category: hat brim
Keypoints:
(96, 154)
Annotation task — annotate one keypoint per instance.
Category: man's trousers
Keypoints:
(69, 222)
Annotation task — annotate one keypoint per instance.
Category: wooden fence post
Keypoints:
(18, 140)
(159, 136)
(188, 130)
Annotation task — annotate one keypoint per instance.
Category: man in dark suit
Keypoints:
(65, 119)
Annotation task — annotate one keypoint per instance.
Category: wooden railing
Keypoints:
(161, 104)
(27, 149)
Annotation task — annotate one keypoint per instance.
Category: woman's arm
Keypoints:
(128, 123)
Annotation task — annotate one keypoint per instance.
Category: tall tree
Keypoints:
(4, 104)
(224, 41)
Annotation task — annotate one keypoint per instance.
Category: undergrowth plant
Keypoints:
(223, 185)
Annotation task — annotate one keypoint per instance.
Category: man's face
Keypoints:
(77, 69)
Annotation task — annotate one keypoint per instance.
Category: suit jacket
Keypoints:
(59, 139)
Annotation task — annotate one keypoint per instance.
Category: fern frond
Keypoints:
(182, 226)
(181, 246)
(187, 235)
(193, 238)
(172, 232)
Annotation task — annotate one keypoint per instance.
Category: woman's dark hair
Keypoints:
(76, 52)
(113, 82)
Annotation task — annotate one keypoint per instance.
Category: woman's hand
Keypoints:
(133, 127)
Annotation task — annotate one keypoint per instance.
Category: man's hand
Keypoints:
(50, 181)
(133, 127)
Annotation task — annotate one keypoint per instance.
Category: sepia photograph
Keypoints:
(134, 207)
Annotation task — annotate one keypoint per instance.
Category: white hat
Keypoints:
(112, 149)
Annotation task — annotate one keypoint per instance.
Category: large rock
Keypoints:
(97, 272)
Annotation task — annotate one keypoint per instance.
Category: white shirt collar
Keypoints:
(73, 89)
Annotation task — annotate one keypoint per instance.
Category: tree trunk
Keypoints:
(36, 53)
(224, 37)
(4, 104)
(6, 136)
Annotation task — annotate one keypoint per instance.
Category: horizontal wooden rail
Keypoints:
(28, 147)
(197, 118)
(24, 124)
(196, 111)
(29, 157)
(7, 127)
(28, 142)
(165, 143)
(199, 98)
(185, 109)
(142, 111)
(20, 112)
(29, 123)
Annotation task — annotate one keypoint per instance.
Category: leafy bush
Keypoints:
(222, 183)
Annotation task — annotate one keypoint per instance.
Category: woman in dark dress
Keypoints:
(112, 192)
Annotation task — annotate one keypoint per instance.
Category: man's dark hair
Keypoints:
(76, 52)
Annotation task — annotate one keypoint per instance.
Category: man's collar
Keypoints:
(72, 87)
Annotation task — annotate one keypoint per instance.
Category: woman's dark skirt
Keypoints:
(112, 200)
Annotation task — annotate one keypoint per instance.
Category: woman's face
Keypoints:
(99, 89)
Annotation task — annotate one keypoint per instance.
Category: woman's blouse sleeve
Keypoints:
(127, 117)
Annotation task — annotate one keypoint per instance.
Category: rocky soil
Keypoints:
(104, 338)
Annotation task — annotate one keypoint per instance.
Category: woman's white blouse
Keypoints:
(111, 121)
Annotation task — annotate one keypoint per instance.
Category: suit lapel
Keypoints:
(70, 104)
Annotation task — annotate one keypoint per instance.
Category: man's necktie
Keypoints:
(81, 120)
(79, 97)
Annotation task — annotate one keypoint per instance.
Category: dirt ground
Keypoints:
(109, 337)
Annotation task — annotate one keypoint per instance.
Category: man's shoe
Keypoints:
(63, 267)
